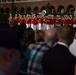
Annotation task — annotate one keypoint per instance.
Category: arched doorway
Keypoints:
(16, 10)
(70, 9)
(52, 9)
(60, 9)
(36, 10)
(1, 10)
(22, 10)
(7, 10)
(28, 10)
(43, 8)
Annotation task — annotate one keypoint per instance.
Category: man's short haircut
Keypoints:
(66, 32)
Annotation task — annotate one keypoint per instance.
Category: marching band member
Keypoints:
(66, 20)
(70, 20)
(40, 23)
(16, 18)
(24, 17)
(52, 21)
(28, 21)
(20, 19)
(48, 22)
(34, 23)
(58, 21)
(10, 18)
(74, 21)
(44, 23)
(63, 17)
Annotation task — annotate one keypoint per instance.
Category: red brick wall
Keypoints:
(55, 3)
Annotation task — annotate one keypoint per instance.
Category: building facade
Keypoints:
(35, 6)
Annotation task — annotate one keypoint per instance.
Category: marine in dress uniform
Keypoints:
(28, 22)
(10, 18)
(40, 23)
